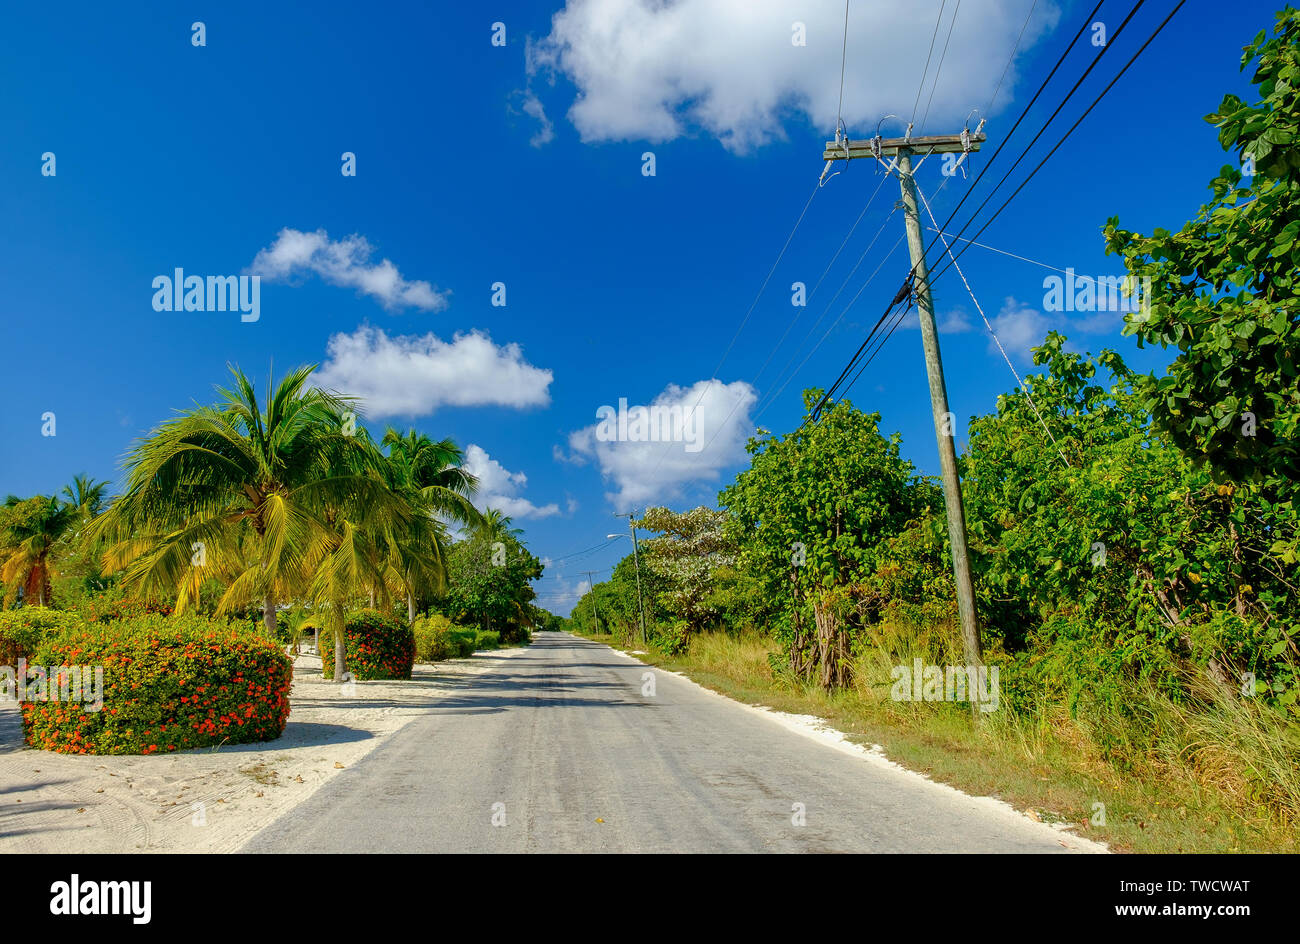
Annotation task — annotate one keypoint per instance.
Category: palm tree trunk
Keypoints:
(268, 614)
(410, 608)
(340, 650)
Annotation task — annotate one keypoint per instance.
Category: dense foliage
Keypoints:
(438, 638)
(490, 578)
(23, 630)
(1224, 287)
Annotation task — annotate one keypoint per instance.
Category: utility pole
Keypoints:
(901, 150)
(636, 559)
(591, 582)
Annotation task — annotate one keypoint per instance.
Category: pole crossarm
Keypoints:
(927, 144)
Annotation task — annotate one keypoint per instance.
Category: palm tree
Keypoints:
(79, 555)
(241, 490)
(496, 525)
(355, 556)
(86, 495)
(29, 530)
(431, 477)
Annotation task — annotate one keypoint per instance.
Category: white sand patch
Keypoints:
(204, 800)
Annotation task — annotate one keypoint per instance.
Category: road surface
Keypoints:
(557, 749)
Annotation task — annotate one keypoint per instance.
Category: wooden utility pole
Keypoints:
(591, 582)
(901, 151)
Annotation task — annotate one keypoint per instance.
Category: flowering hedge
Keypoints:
(23, 630)
(169, 684)
(376, 646)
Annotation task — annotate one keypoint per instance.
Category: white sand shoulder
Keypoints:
(206, 800)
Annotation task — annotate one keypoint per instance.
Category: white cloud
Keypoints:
(647, 471)
(344, 262)
(532, 106)
(414, 375)
(499, 488)
(655, 70)
(1020, 328)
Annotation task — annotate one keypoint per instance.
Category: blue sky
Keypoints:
(479, 163)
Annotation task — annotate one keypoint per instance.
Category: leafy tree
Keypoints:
(693, 546)
(490, 583)
(79, 563)
(1224, 287)
(812, 508)
(495, 526)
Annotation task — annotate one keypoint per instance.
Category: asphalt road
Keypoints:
(557, 749)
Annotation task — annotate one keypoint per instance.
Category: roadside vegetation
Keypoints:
(1134, 541)
(244, 527)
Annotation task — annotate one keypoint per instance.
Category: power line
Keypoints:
(834, 324)
(781, 255)
(782, 377)
(1024, 112)
(926, 71)
(1011, 58)
(881, 342)
(939, 68)
(578, 553)
(1067, 134)
(1041, 131)
(1019, 383)
(859, 292)
(934, 276)
(904, 293)
(844, 50)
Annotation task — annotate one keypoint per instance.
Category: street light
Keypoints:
(636, 559)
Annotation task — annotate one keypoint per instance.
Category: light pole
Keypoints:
(636, 560)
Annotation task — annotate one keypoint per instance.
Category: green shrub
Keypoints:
(169, 684)
(432, 638)
(438, 638)
(487, 639)
(24, 629)
(377, 646)
(464, 642)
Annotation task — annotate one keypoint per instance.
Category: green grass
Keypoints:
(1219, 780)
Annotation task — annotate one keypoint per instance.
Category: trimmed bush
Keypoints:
(464, 641)
(438, 638)
(432, 638)
(23, 630)
(169, 684)
(487, 639)
(377, 646)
